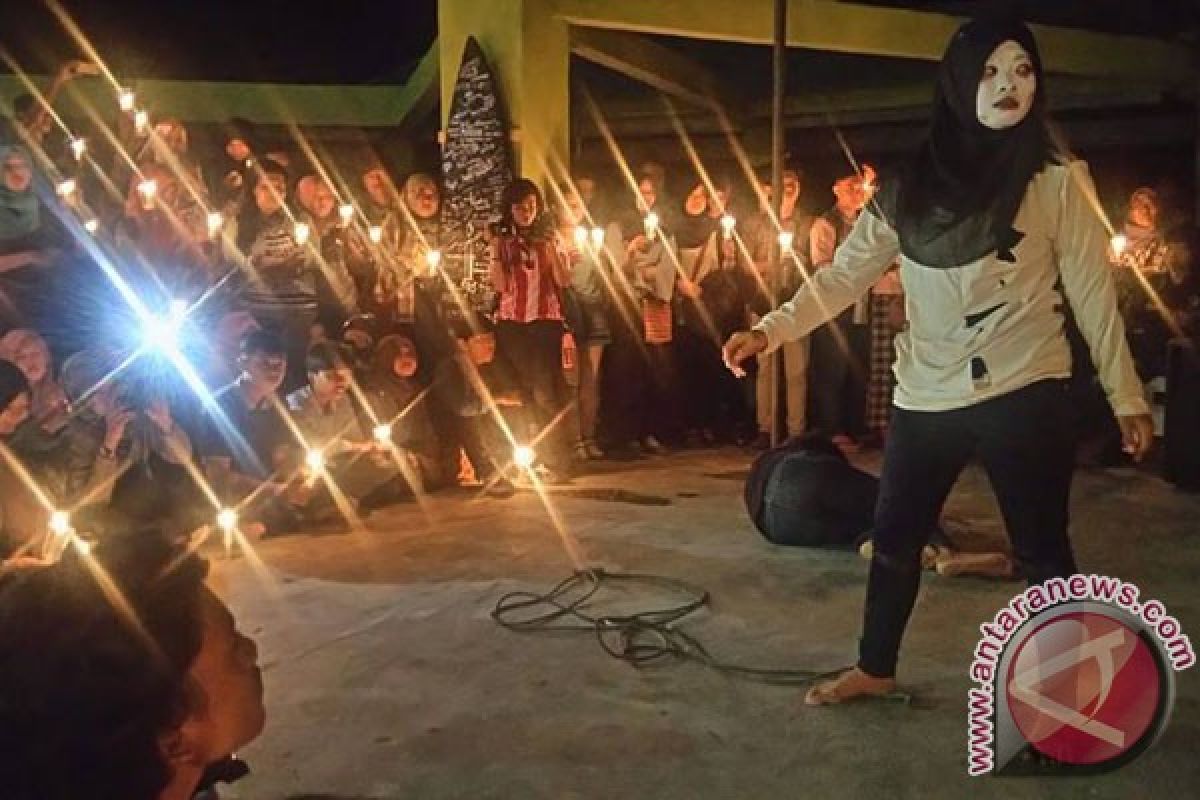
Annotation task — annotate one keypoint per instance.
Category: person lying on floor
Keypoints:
(805, 493)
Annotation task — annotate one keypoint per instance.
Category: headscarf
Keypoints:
(385, 377)
(46, 396)
(19, 211)
(958, 198)
(1139, 235)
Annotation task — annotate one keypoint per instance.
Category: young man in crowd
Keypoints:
(250, 445)
(328, 417)
(96, 707)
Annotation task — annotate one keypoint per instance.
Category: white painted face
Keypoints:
(1006, 88)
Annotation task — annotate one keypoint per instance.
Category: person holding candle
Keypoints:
(345, 264)
(396, 389)
(31, 244)
(587, 311)
(23, 518)
(529, 270)
(277, 266)
(708, 306)
(995, 233)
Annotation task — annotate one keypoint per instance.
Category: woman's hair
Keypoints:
(94, 661)
(12, 383)
(517, 191)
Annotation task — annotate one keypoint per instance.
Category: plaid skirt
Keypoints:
(881, 380)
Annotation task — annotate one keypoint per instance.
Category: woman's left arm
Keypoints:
(1082, 250)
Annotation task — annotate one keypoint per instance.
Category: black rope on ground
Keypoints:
(641, 639)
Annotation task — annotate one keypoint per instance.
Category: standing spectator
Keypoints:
(278, 267)
(529, 269)
(30, 243)
(164, 235)
(587, 314)
(762, 238)
(641, 397)
(344, 264)
(1149, 270)
(235, 168)
(708, 306)
(840, 347)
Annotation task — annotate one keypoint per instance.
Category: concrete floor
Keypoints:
(386, 678)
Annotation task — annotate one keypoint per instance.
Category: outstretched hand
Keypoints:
(741, 346)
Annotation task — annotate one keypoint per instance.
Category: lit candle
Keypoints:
(1119, 243)
(126, 100)
(434, 259)
(78, 147)
(148, 188)
(60, 523)
(383, 433)
(66, 188)
(215, 223)
(346, 212)
(786, 238)
(227, 520)
(314, 460)
(523, 456)
(581, 236)
(376, 233)
(91, 225)
(727, 225)
(650, 223)
(597, 238)
(141, 122)
(300, 232)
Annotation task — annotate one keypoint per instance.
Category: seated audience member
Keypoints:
(805, 493)
(219, 364)
(397, 393)
(29, 351)
(328, 418)
(462, 387)
(248, 446)
(123, 454)
(23, 518)
(96, 707)
(359, 335)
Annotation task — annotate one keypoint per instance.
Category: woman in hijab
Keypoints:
(29, 351)
(397, 392)
(26, 244)
(995, 232)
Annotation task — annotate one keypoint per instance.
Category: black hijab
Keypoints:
(958, 198)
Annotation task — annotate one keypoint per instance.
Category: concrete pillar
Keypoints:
(528, 47)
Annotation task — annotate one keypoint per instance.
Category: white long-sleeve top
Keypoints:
(1023, 340)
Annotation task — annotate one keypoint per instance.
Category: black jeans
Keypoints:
(533, 351)
(1025, 441)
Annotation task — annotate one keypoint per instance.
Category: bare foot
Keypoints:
(850, 684)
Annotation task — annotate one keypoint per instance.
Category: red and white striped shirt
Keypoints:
(529, 292)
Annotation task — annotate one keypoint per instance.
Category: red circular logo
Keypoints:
(1084, 688)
